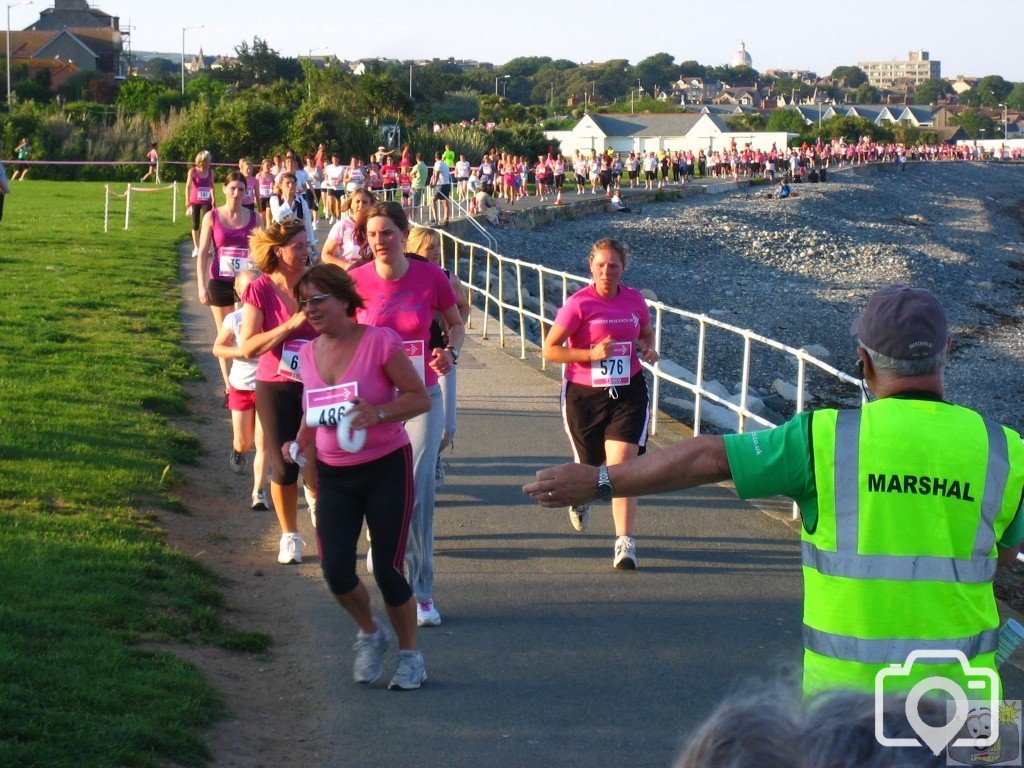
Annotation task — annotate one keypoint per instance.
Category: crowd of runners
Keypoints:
(338, 365)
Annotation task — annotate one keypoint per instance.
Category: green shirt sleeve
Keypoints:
(775, 462)
(1014, 533)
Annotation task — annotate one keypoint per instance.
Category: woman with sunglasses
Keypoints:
(275, 329)
(403, 294)
(362, 372)
(228, 228)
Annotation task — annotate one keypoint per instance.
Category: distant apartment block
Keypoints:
(915, 70)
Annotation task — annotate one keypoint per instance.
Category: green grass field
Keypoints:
(91, 369)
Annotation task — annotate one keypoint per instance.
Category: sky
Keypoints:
(974, 39)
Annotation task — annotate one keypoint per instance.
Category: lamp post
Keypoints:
(496, 79)
(183, 31)
(10, 96)
(1004, 121)
(309, 60)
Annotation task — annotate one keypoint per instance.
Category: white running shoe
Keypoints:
(259, 501)
(370, 651)
(580, 517)
(291, 549)
(427, 615)
(625, 553)
(411, 672)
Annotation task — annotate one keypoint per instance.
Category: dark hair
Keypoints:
(234, 176)
(332, 279)
(391, 210)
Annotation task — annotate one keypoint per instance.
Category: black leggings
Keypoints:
(380, 491)
(198, 211)
(279, 406)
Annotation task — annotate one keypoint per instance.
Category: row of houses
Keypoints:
(706, 128)
(692, 131)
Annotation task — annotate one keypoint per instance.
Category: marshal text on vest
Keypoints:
(920, 484)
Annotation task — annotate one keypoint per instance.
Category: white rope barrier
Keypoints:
(127, 195)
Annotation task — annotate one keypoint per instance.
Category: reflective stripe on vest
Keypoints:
(893, 568)
(845, 561)
(893, 651)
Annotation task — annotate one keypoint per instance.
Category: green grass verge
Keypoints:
(91, 367)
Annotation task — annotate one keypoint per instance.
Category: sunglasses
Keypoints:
(320, 297)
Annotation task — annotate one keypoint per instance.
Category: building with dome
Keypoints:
(742, 58)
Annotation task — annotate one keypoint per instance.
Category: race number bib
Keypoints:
(613, 372)
(326, 406)
(415, 351)
(289, 367)
(266, 190)
(203, 194)
(232, 260)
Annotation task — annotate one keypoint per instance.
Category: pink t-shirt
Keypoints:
(406, 305)
(589, 318)
(364, 378)
(261, 294)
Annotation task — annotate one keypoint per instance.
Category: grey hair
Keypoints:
(839, 732)
(924, 366)
(772, 727)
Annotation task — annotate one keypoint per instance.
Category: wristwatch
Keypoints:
(604, 485)
(455, 353)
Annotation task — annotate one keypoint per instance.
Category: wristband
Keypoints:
(380, 414)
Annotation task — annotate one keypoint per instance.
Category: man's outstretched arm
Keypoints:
(698, 461)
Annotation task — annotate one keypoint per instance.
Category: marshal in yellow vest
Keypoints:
(912, 497)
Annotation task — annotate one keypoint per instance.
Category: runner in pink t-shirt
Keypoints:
(600, 334)
(359, 389)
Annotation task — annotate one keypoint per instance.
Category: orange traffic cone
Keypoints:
(558, 198)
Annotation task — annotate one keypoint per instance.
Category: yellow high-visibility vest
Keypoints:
(912, 497)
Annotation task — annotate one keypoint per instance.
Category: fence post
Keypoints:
(106, 208)
(174, 204)
(656, 388)
(127, 205)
